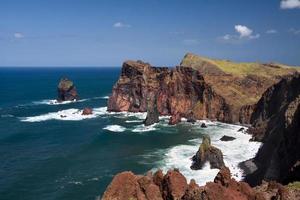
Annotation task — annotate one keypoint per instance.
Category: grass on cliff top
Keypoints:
(294, 185)
(239, 69)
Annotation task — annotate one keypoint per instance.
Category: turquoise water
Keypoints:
(46, 157)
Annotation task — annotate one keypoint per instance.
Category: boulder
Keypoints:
(207, 153)
(87, 111)
(175, 119)
(66, 91)
(227, 138)
(203, 125)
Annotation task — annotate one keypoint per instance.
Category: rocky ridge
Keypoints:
(200, 88)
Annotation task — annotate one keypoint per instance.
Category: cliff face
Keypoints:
(181, 90)
(174, 186)
(276, 122)
(199, 88)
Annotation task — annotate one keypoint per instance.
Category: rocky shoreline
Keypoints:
(202, 88)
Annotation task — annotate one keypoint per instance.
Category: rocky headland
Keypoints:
(200, 88)
(264, 96)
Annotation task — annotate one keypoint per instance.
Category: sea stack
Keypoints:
(207, 153)
(152, 112)
(66, 91)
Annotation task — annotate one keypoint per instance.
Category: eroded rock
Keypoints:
(66, 90)
(207, 153)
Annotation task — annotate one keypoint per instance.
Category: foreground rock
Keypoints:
(207, 153)
(276, 122)
(87, 111)
(173, 186)
(66, 91)
(209, 89)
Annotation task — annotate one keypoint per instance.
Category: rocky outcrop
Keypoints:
(227, 138)
(173, 186)
(87, 111)
(177, 91)
(66, 91)
(152, 112)
(200, 88)
(276, 122)
(207, 153)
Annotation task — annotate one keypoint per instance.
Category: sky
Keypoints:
(161, 32)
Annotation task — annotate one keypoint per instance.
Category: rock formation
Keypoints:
(207, 153)
(276, 122)
(200, 88)
(87, 111)
(173, 186)
(227, 138)
(152, 112)
(66, 90)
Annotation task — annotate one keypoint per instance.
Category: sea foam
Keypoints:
(66, 115)
(234, 152)
(115, 128)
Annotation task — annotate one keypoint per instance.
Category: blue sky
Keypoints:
(107, 32)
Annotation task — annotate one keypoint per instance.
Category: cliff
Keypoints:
(276, 122)
(199, 88)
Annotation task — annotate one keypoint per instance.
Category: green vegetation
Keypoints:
(238, 69)
(294, 185)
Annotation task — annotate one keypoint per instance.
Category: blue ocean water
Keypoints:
(44, 156)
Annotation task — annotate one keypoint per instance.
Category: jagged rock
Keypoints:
(66, 90)
(152, 112)
(207, 87)
(227, 138)
(87, 111)
(203, 125)
(207, 153)
(173, 186)
(275, 121)
(175, 119)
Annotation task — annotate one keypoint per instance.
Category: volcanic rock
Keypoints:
(66, 90)
(152, 112)
(227, 138)
(207, 153)
(276, 122)
(175, 119)
(203, 125)
(173, 186)
(87, 111)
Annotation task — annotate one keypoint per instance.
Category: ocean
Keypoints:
(45, 156)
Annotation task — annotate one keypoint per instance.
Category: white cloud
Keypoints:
(243, 33)
(121, 25)
(271, 31)
(190, 42)
(18, 35)
(289, 4)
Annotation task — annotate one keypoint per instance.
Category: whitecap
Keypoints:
(115, 128)
(142, 128)
(55, 102)
(134, 121)
(67, 115)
